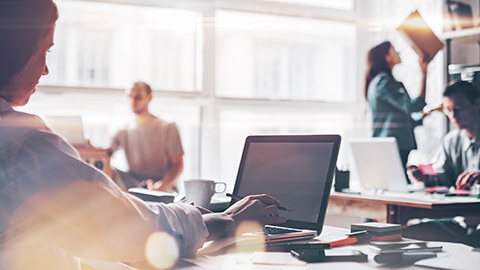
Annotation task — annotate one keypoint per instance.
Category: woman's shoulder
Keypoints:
(31, 132)
(21, 119)
(384, 83)
(383, 78)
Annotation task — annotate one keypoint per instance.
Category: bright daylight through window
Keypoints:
(111, 45)
(220, 69)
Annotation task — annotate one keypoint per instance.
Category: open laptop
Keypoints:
(377, 164)
(69, 126)
(297, 170)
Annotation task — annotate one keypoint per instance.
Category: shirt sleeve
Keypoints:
(79, 209)
(117, 141)
(417, 104)
(173, 142)
(395, 94)
(443, 166)
(184, 222)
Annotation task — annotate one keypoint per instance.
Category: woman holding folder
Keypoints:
(389, 101)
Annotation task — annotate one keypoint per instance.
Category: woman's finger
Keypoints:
(271, 209)
(266, 199)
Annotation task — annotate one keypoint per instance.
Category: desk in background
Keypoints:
(400, 208)
(97, 157)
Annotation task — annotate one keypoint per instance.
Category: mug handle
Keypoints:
(224, 187)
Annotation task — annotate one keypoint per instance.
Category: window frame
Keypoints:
(210, 104)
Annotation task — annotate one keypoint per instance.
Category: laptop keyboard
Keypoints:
(267, 230)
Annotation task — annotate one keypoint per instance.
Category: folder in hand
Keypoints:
(420, 36)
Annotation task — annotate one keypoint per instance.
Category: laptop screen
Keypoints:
(297, 170)
(377, 164)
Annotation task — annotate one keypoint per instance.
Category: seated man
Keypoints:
(152, 146)
(457, 164)
(458, 161)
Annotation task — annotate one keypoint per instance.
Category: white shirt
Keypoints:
(149, 148)
(49, 197)
(458, 154)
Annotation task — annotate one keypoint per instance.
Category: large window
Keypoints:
(111, 45)
(334, 4)
(236, 124)
(221, 70)
(280, 57)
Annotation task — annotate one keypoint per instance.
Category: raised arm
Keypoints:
(423, 83)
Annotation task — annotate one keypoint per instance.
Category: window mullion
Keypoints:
(209, 131)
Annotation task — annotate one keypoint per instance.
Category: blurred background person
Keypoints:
(389, 101)
(457, 162)
(152, 146)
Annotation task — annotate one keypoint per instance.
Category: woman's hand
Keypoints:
(260, 208)
(438, 108)
(423, 61)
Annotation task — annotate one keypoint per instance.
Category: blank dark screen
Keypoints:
(294, 173)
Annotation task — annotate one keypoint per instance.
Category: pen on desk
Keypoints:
(235, 197)
(360, 237)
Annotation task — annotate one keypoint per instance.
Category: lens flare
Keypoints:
(161, 250)
(254, 243)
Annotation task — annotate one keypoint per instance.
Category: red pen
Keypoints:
(359, 237)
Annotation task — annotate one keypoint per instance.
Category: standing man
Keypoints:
(152, 146)
(458, 161)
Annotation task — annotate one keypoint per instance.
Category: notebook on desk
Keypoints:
(298, 171)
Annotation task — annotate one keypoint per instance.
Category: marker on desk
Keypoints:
(359, 237)
(235, 197)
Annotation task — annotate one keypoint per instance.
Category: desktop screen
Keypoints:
(294, 173)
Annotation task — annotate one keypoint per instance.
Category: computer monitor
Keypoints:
(377, 164)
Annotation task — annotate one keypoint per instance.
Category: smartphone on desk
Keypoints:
(287, 246)
(405, 249)
(329, 255)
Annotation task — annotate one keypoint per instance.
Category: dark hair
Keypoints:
(469, 90)
(377, 63)
(23, 24)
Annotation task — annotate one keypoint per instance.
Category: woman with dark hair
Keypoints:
(389, 101)
(53, 206)
(24, 38)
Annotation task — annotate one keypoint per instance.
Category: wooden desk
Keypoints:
(399, 210)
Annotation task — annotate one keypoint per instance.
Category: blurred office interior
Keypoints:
(226, 69)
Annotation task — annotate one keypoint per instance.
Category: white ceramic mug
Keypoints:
(200, 191)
